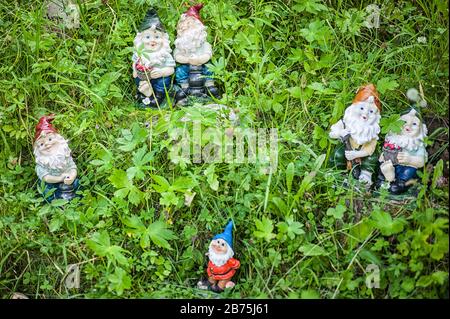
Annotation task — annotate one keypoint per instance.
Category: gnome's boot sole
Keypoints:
(215, 288)
(398, 187)
(204, 284)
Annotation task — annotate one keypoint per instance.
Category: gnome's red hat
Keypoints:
(194, 11)
(365, 91)
(44, 125)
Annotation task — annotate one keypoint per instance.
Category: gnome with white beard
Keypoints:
(153, 64)
(221, 266)
(192, 51)
(54, 163)
(358, 131)
(403, 153)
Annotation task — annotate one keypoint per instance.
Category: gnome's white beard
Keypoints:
(360, 131)
(191, 40)
(410, 143)
(220, 259)
(150, 59)
(58, 157)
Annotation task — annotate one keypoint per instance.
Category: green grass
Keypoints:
(290, 65)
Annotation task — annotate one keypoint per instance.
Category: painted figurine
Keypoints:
(54, 163)
(358, 131)
(153, 64)
(403, 153)
(221, 266)
(192, 51)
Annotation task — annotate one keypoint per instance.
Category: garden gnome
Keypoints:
(358, 131)
(221, 266)
(403, 153)
(192, 51)
(54, 163)
(153, 64)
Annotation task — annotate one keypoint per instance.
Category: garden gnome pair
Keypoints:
(54, 163)
(154, 65)
(221, 266)
(402, 154)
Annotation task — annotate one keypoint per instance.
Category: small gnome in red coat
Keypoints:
(221, 266)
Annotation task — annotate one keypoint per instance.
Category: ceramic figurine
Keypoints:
(54, 163)
(192, 51)
(221, 266)
(358, 132)
(403, 153)
(153, 64)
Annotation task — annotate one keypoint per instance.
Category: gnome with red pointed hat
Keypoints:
(192, 51)
(221, 266)
(54, 163)
(359, 130)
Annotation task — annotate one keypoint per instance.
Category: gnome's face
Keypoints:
(219, 252)
(366, 111)
(48, 143)
(152, 39)
(189, 24)
(412, 126)
(220, 246)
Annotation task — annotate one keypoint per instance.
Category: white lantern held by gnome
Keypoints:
(54, 163)
(403, 153)
(221, 266)
(358, 131)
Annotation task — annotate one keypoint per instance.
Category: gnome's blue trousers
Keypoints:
(159, 85)
(182, 73)
(57, 192)
(405, 173)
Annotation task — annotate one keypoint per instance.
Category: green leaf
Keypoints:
(312, 250)
(391, 124)
(162, 184)
(386, 84)
(119, 281)
(310, 294)
(264, 229)
(384, 222)
(337, 212)
(119, 179)
(290, 227)
(160, 234)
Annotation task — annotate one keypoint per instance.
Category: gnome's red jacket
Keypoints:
(224, 272)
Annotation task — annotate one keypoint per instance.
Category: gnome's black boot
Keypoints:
(158, 99)
(215, 288)
(356, 171)
(181, 95)
(212, 90)
(398, 187)
(380, 180)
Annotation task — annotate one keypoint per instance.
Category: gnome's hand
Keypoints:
(351, 155)
(69, 178)
(388, 171)
(403, 158)
(145, 88)
(156, 73)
